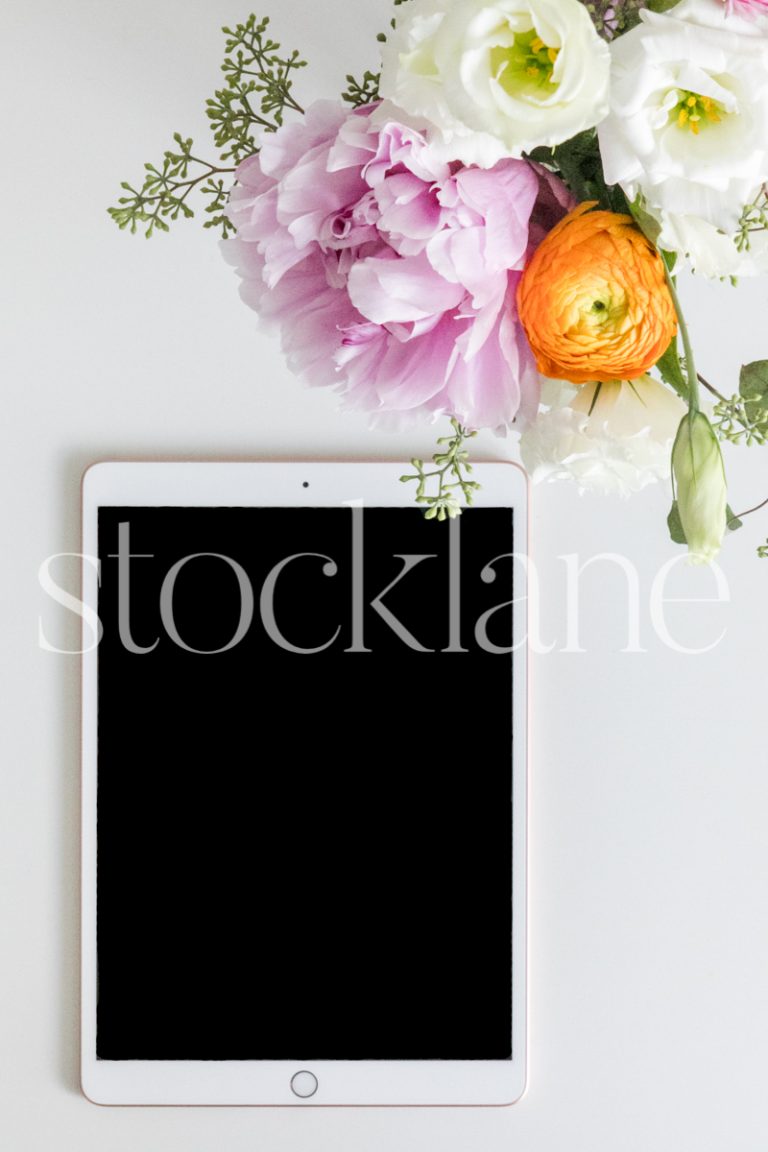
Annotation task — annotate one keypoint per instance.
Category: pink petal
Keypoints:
(400, 289)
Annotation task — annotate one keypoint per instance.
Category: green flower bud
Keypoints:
(699, 475)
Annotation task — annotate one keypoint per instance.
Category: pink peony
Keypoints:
(391, 275)
(747, 7)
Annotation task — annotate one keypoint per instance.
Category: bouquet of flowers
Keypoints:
(488, 228)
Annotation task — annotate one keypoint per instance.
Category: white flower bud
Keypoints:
(699, 475)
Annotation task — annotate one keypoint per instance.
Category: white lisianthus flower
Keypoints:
(712, 252)
(623, 444)
(688, 130)
(490, 79)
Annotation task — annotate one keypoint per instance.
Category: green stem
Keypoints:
(749, 511)
(711, 388)
(690, 363)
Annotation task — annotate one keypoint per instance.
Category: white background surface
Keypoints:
(649, 783)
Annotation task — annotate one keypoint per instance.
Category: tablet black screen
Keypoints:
(304, 855)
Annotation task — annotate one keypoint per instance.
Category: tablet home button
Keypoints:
(304, 1084)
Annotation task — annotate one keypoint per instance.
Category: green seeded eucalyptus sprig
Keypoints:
(258, 91)
(362, 92)
(163, 195)
(366, 91)
(754, 218)
(451, 472)
(744, 417)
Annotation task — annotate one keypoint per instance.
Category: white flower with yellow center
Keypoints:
(489, 79)
(688, 130)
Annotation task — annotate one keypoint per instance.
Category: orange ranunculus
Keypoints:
(594, 301)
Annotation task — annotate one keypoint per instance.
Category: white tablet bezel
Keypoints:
(264, 1082)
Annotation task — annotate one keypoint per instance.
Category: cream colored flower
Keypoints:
(495, 78)
(619, 447)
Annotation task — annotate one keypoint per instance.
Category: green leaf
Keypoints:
(543, 155)
(732, 521)
(753, 389)
(578, 162)
(647, 223)
(661, 5)
(675, 525)
(671, 372)
(753, 381)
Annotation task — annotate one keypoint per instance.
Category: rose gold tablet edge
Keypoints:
(294, 460)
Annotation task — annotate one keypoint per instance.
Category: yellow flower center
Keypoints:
(602, 312)
(528, 62)
(692, 112)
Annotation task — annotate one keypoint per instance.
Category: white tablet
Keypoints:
(304, 787)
